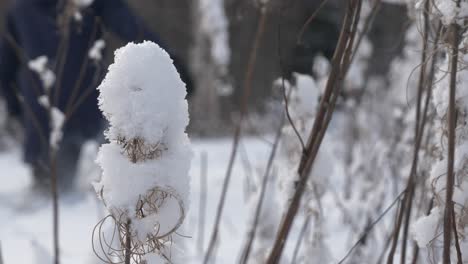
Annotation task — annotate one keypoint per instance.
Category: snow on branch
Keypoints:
(46, 75)
(145, 182)
(95, 53)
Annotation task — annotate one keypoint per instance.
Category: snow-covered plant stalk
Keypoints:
(301, 99)
(145, 182)
(340, 65)
(448, 179)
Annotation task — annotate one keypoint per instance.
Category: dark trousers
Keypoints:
(66, 160)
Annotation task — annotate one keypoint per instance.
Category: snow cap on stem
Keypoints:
(146, 162)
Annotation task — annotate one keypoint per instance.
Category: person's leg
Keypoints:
(67, 157)
(41, 176)
(67, 162)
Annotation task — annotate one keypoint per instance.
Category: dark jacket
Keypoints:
(31, 31)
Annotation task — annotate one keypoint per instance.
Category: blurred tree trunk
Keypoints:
(387, 36)
(205, 104)
(243, 16)
(172, 20)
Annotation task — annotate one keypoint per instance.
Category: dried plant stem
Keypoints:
(202, 205)
(371, 226)
(457, 243)
(252, 232)
(419, 130)
(407, 204)
(128, 243)
(62, 57)
(453, 37)
(1, 256)
(237, 133)
(326, 107)
(309, 20)
(22, 57)
(83, 69)
(416, 247)
(63, 22)
(304, 228)
(84, 95)
(35, 121)
(44, 142)
(55, 208)
(429, 85)
(367, 24)
(384, 249)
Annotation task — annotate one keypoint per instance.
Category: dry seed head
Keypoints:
(137, 150)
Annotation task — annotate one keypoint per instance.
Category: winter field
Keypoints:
(26, 230)
(349, 155)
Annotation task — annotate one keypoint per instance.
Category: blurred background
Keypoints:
(213, 41)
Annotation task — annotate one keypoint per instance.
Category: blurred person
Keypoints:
(36, 28)
(319, 37)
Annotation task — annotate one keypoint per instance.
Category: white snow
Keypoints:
(25, 220)
(44, 101)
(424, 229)
(154, 258)
(95, 53)
(83, 3)
(39, 66)
(57, 122)
(447, 10)
(143, 98)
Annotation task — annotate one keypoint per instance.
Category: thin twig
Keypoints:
(202, 205)
(457, 243)
(453, 37)
(128, 243)
(64, 20)
(371, 226)
(367, 24)
(304, 228)
(416, 247)
(55, 208)
(284, 92)
(83, 69)
(405, 210)
(1, 256)
(258, 209)
(321, 122)
(237, 133)
(429, 86)
(309, 20)
(419, 126)
(23, 58)
(288, 115)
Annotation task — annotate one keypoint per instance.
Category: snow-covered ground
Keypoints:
(26, 219)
